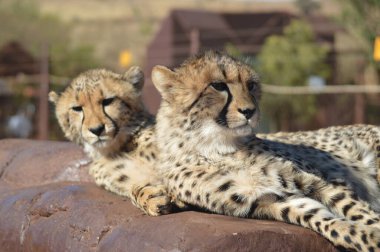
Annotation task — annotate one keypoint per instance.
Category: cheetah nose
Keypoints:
(248, 113)
(97, 130)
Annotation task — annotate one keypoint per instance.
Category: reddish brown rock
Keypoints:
(26, 163)
(48, 203)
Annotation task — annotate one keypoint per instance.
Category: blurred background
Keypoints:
(318, 59)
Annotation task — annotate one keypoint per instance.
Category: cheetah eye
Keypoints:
(108, 101)
(219, 86)
(77, 108)
(252, 85)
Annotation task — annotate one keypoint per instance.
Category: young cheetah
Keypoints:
(103, 111)
(212, 159)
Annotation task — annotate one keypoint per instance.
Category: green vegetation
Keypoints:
(22, 21)
(361, 20)
(289, 60)
(307, 6)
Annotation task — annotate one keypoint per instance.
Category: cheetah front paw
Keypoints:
(154, 200)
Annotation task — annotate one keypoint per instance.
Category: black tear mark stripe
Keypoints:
(113, 121)
(255, 102)
(126, 104)
(222, 117)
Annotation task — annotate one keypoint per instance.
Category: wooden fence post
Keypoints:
(43, 104)
(194, 41)
(359, 102)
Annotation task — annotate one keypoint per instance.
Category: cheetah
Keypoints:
(355, 141)
(103, 111)
(107, 171)
(212, 159)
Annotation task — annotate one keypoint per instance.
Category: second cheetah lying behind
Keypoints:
(103, 111)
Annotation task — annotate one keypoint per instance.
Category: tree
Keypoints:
(22, 21)
(307, 6)
(361, 20)
(289, 60)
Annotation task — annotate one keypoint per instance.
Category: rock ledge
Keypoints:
(48, 202)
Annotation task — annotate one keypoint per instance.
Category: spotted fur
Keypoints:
(213, 160)
(103, 111)
(361, 142)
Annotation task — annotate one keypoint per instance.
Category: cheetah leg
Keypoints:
(238, 197)
(339, 199)
(134, 180)
(343, 202)
(314, 215)
(154, 200)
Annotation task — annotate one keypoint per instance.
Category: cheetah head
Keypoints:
(212, 96)
(99, 108)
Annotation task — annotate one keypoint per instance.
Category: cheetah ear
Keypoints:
(164, 80)
(53, 97)
(135, 76)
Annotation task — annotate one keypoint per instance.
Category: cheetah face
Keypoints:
(216, 92)
(99, 106)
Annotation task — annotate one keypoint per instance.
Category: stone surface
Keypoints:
(26, 163)
(49, 203)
